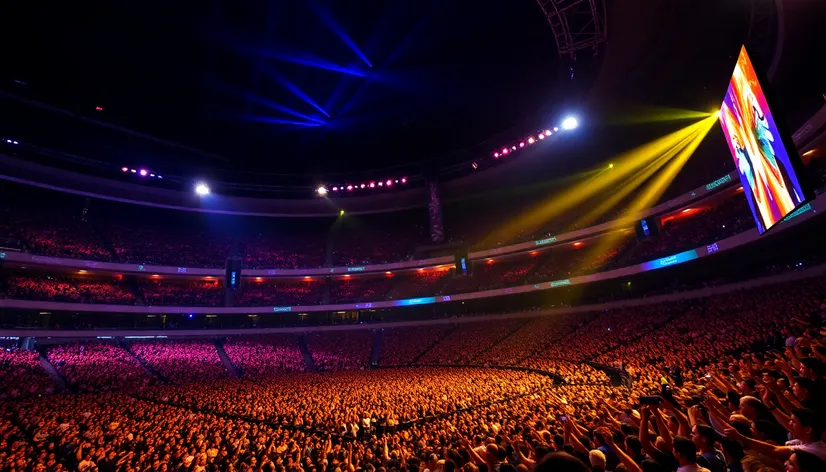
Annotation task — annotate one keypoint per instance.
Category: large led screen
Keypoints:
(768, 168)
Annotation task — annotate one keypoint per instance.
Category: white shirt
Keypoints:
(817, 448)
(692, 468)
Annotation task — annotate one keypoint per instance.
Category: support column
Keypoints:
(434, 213)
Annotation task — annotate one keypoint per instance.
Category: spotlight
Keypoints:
(504, 151)
(143, 172)
(321, 190)
(124, 169)
(349, 188)
(611, 166)
(132, 171)
(201, 189)
(513, 147)
(151, 175)
(531, 140)
(570, 123)
(475, 165)
(547, 132)
(389, 182)
(404, 180)
(99, 108)
(496, 154)
(381, 183)
(372, 185)
(362, 185)
(541, 136)
(341, 212)
(522, 144)
(556, 129)
(335, 189)
(160, 176)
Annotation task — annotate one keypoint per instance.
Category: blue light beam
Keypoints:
(310, 61)
(330, 22)
(251, 97)
(267, 119)
(295, 90)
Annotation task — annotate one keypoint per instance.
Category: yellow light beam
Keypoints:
(655, 189)
(631, 184)
(624, 165)
(636, 115)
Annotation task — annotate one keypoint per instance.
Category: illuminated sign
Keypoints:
(182, 270)
(670, 260)
(542, 242)
(2, 255)
(560, 283)
(141, 268)
(355, 269)
(712, 248)
(722, 180)
(805, 208)
(416, 301)
(282, 309)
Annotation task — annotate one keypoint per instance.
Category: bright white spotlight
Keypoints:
(321, 190)
(531, 140)
(201, 189)
(570, 123)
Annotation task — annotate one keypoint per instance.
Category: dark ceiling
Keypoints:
(305, 86)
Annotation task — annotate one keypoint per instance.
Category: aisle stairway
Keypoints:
(59, 381)
(376, 351)
(308, 358)
(126, 347)
(441, 338)
(233, 371)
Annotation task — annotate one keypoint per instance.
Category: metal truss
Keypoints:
(577, 24)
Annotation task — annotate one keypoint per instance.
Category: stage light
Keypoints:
(124, 169)
(504, 151)
(556, 129)
(151, 175)
(570, 123)
(389, 182)
(513, 148)
(160, 176)
(132, 171)
(475, 165)
(362, 185)
(404, 180)
(335, 189)
(143, 172)
(201, 189)
(322, 190)
(349, 188)
(522, 144)
(547, 132)
(341, 212)
(372, 185)
(381, 184)
(99, 108)
(541, 136)
(531, 140)
(9, 141)
(397, 180)
(611, 166)
(496, 154)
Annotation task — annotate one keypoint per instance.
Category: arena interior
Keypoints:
(314, 236)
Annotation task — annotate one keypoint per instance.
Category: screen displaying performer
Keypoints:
(768, 168)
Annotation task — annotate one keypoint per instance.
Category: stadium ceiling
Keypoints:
(577, 24)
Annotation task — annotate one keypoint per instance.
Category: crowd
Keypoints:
(95, 367)
(263, 356)
(730, 383)
(351, 290)
(281, 293)
(68, 289)
(194, 293)
(22, 374)
(181, 361)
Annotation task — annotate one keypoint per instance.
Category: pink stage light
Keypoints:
(541, 136)
(522, 144)
(372, 185)
(381, 184)
(362, 185)
(389, 182)
(514, 148)
(143, 172)
(531, 140)
(349, 188)
(505, 151)
(547, 132)
(496, 154)
(404, 180)
(335, 189)
(124, 169)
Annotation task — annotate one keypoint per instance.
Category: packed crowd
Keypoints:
(22, 374)
(730, 383)
(195, 293)
(282, 293)
(68, 289)
(262, 356)
(95, 367)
